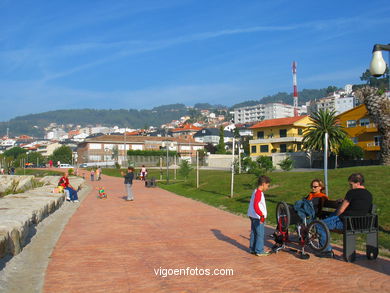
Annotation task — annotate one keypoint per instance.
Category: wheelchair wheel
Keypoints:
(372, 252)
(283, 216)
(314, 235)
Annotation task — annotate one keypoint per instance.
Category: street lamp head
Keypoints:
(378, 64)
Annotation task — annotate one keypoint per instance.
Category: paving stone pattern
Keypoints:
(115, 245)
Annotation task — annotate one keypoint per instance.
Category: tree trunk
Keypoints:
(378, 107)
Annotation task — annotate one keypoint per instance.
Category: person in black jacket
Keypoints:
(129, 176)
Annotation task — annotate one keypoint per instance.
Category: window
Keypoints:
(283, 148)
(283, 132)
(260, 134)
(351, 123)
(95, 146)
(377, 140)
(264, 149)
(253, 149)
(300, 131)
(364, 122)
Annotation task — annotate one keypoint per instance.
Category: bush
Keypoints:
(70, 171)
(265, 163)
(185, 169)
(286, 164)
(349, 151)
(117, 166)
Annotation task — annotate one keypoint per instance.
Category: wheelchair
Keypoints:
(308, 233)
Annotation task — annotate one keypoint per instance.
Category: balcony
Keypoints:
(277, 139)
(373, 146)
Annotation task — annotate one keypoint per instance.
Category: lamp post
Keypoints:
(378, 64)
(166, 144)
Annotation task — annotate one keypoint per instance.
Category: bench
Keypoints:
(151, 182)
(354, 225)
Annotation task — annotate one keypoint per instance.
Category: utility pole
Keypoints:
(197, 169)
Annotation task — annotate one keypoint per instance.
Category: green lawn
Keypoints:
(285, 186)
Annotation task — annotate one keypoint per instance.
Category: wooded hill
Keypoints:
(34, 124)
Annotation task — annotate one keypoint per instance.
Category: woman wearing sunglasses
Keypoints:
(317, 188)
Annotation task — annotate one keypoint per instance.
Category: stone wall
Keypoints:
(20, 213)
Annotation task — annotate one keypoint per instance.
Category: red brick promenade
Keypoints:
(116, 246)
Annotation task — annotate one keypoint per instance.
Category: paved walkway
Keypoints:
(118, 246)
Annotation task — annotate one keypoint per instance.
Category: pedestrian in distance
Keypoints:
(129, 176)
(92, 174)
(257, 213)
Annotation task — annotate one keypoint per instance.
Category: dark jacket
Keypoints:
(129, 178)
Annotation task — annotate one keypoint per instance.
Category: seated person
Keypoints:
(317, 189)
(357, 202)
(64, 181)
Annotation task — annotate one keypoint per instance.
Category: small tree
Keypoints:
(221, 145)
(115, 153)
(286, 164)
(62, 154)
(14, 152)
(185, 169)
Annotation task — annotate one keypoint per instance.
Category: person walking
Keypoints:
(92, 174)
(129, 176)
(257, 213)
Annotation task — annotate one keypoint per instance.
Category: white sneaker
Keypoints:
(76, 200)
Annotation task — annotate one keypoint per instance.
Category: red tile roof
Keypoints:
(187, 127)
(277, 122)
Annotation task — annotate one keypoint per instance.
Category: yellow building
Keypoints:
(362, 131)
(278, 135)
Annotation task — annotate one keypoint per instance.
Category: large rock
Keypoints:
(20, 213)
(15, 182)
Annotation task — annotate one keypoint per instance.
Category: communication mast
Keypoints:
(294, 70)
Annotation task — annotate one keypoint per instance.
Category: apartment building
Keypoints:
(263, 112)
(101, 148)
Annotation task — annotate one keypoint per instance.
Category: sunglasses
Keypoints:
(315, 186)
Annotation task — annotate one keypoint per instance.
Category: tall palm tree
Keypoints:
(378, 107)
(322, 122)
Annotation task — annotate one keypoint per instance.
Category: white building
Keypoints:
(264, 112)
(56, 134)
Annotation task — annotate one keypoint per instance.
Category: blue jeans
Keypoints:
(256, 243)
(333, 222)
(72, 193)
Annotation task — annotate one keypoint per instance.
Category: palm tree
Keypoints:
(323, 122)
(378, 107)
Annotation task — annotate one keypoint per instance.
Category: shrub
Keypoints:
(286, 164)
(185, 169)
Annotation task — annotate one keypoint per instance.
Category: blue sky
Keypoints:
(141, 54)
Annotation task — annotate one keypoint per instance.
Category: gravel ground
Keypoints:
(25, 272)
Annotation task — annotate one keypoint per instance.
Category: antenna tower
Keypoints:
(294, 70)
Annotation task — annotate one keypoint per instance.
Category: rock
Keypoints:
(20, 213)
